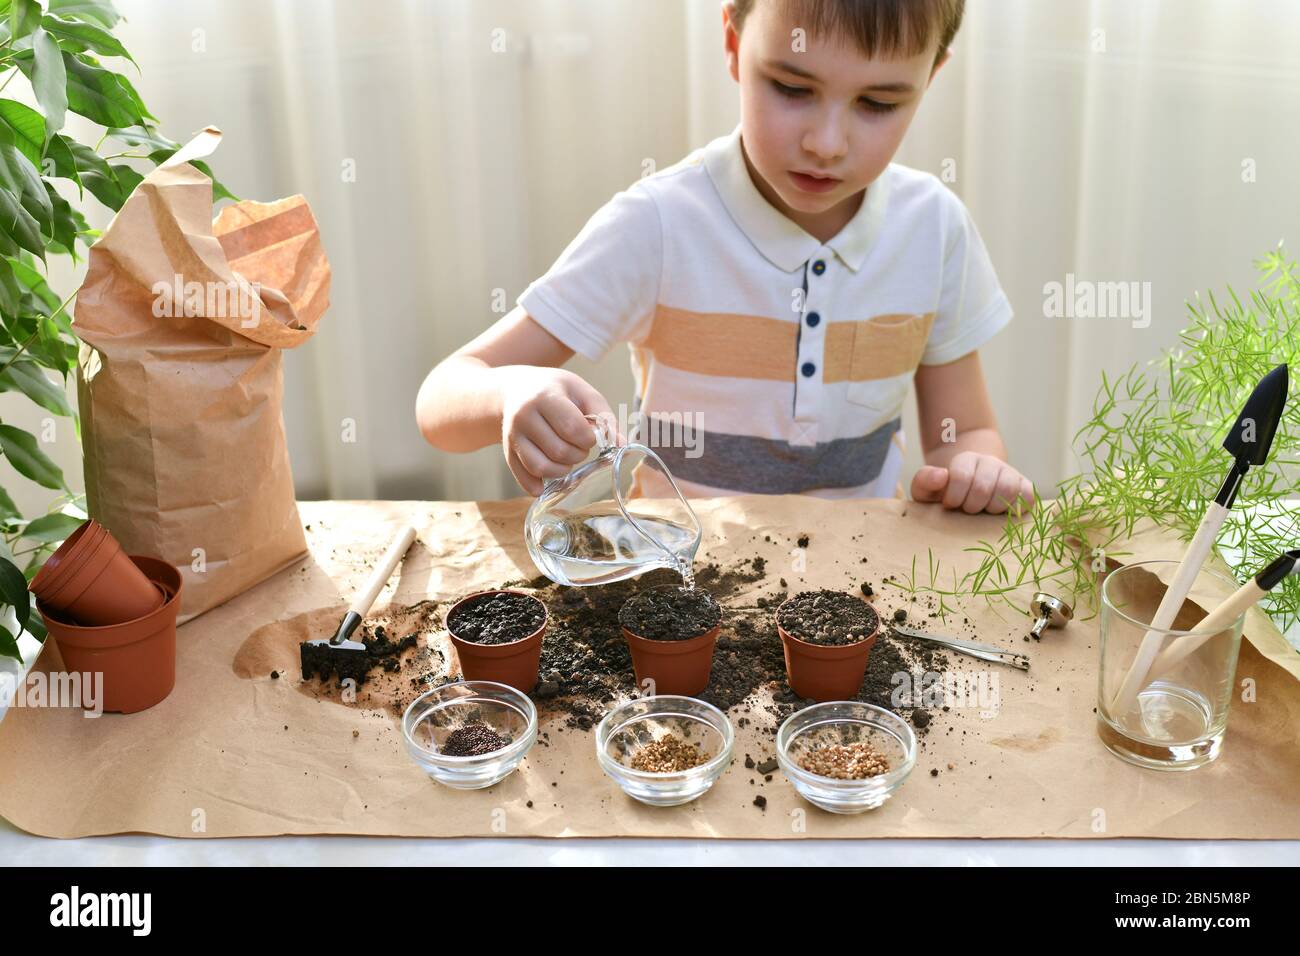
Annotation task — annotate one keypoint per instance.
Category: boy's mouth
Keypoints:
(813, 183)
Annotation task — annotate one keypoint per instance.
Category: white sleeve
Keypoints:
(972, 306)
(604, 287)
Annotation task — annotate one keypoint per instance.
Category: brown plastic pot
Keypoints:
(91, 582)
(514, 663)
(825, 671)
(137, 658)
(676, 667)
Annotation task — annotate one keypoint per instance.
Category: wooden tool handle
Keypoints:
(383, 571)
(1213, 624)
(1175, 594)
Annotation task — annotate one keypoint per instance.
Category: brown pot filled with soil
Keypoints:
(498, 637)
(137, 658)
(90, 581)
(827, 637)
(671, 632)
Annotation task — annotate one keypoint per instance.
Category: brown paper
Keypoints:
(179, 381)
(230, 755)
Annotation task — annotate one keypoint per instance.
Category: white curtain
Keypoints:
(451, 148)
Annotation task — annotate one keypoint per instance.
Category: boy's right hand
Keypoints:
(543, 429)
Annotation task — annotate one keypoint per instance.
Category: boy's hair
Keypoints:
(904, 27)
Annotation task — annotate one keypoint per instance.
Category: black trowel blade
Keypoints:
(1251, 436)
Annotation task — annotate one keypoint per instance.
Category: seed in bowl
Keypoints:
(668, 754)
(845, 761)
(473, 740)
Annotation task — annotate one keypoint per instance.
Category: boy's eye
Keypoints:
(798, 92)
(876, 106)
(794, 92)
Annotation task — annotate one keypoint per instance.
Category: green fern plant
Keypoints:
(1151, 451)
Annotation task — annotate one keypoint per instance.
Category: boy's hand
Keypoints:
(973, 482)
(543, 429)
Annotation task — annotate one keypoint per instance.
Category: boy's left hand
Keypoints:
(973, 482)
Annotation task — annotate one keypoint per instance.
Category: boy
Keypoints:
(782, 285)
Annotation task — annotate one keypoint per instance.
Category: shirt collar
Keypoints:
(785, 244)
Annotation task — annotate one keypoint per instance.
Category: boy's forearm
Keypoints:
(458, 408)
(987, 441)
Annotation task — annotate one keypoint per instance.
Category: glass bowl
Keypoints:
(432, 717)
(845, 722)
(637, 722)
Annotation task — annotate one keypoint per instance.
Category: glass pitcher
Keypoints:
(591, 527)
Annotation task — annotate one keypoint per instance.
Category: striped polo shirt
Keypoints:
(766, 361)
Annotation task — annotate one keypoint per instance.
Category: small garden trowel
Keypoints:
(340, 654)
(1248, 441)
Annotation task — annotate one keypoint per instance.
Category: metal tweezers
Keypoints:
(985, 652)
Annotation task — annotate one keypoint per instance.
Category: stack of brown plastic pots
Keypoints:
(112, 614)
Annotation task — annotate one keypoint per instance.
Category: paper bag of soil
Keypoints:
(182, 321)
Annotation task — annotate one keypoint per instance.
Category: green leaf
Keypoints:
(27, 377)
(13, 590)
(17, 224)
(49, 81)
(36, 627)
(24, 16)
(127, 179)
(144, 136)
(9, 646)
(9, 290)
(104, 187)
(101, 12)
(20, 448)
(65, 222)
(27, 127)
(72, 160)
(51, 528)
(90, 35)
(130, 89)
(52, 350)
(7, 507)
(47, 346)
(30, 279)
(59, 161)
(19, 176)
(100, 95)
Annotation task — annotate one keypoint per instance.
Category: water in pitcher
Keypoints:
(598, 545)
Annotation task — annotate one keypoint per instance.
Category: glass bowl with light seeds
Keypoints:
(845, 756)
(664, 750)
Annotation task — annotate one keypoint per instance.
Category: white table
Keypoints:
(21, 849)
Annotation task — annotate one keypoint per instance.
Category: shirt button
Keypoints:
(813, 319)
(819, 267)
(808, 369)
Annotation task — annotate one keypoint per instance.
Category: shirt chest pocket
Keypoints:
(887, 350)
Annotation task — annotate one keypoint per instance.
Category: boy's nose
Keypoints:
(826, 138)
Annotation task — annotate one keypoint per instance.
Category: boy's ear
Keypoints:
(947, 55)
(731, 40)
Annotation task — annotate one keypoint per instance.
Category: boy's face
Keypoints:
(819, 123)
